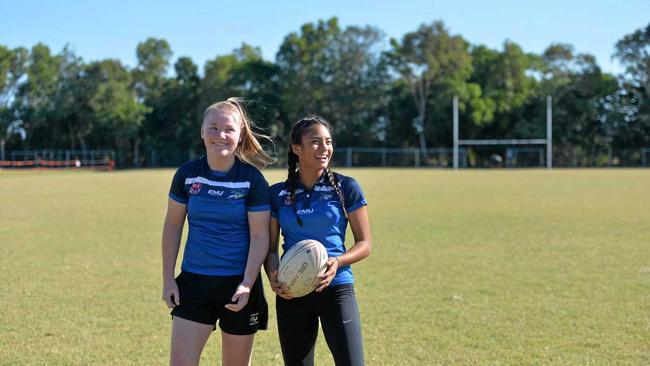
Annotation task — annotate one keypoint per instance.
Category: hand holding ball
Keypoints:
(301, 265)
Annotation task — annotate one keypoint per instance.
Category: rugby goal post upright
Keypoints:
(548, 141)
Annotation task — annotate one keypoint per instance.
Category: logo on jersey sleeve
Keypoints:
(213, 193)
(195, 188)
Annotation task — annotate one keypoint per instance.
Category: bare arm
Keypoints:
(273, 261)
(360, 225)
(273, 258)
(258, 223)
(171, 242)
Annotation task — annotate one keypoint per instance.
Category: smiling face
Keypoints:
(221, 131)
(315, 149)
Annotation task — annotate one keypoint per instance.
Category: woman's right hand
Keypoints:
(279, 288)
(170, 293)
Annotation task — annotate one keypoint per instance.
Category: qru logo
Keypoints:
(306, 211)
(195, 188)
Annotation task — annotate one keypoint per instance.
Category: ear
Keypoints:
(296, 149)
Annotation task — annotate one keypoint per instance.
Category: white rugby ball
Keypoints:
(301, 265)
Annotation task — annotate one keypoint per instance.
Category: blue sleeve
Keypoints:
(177, 190)
(353, 194)
(259, 198)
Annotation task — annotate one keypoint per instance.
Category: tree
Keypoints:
(582, 123)
(176, 114)
(150, 73)
(149, 79)
(257, 81)
(335, 73)
(428, 58)
(216, 73)
(633, 101)
(35, 99)
(502, 77)
(113, 103)
(12, 70)
(71, 121)
(634, 53)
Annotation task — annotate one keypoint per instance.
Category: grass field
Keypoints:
(492, 267)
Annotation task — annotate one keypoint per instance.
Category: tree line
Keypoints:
(375, 93)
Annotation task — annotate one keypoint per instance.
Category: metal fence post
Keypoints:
(348, 156)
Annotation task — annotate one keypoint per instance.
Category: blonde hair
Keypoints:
(249, 149)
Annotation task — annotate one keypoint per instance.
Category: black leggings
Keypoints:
(336, 306)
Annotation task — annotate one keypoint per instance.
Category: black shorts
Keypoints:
(203, 300)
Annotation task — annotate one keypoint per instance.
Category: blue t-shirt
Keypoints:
(217, 213)
(322, 216)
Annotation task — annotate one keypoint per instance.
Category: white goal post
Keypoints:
(548, 141)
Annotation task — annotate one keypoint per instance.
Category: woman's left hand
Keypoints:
(327, 277)
(240, 298)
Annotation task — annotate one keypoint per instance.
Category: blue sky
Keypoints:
(202, 29)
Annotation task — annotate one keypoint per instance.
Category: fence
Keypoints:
(367, 157)
(469, 157)
(492, 156)
(98, 159)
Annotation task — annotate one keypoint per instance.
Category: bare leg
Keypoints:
(236, 350)
(188, 340)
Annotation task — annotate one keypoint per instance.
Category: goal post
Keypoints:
(548, 141)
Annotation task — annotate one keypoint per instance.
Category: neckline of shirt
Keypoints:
(217, 173)
(322, 181)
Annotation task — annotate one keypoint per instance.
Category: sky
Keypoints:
(203, 29)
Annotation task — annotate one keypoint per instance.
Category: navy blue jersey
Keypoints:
(322, 216)
(217, 213)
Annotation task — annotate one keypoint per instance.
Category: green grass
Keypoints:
(493, 267)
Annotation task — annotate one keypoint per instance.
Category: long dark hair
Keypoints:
(293, 176)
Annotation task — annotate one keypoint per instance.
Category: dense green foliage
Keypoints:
(376, 93)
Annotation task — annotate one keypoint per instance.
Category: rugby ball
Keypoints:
(301, 265)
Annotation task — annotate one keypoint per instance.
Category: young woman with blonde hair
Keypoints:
(226, 201)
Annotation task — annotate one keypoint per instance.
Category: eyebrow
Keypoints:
(225, 126)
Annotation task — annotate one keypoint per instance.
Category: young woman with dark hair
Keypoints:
(316, 203)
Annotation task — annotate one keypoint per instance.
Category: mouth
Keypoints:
(322, 158)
